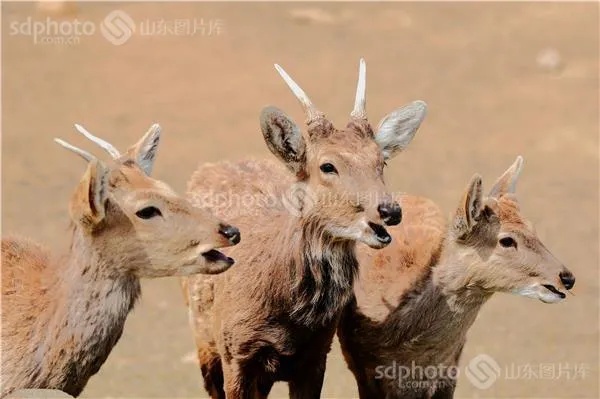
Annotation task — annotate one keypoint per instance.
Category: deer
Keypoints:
(413, 307)
(63, 314)
(277, 323)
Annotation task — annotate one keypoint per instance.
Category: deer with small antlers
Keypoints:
(273, 317)
(61, 316)
(420, 295)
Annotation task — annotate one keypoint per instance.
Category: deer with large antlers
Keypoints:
(273, 317)
(419, 296)
(61, 316)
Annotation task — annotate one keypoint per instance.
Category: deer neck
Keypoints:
(437, 312)
(90, 308)
(322, 271)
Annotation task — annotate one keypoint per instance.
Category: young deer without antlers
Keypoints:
(273, 317)
(421, 294)
(62, 316)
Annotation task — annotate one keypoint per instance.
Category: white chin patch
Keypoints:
(360, 232)
(368, 237)
(550, 297)
(538, 291)
(372, 241)
(349, 233)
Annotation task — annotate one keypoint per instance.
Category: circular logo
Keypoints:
(482, 371)
(117, 27)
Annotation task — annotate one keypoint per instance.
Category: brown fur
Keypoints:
(405, 261)
(273, 317)
(62, 315)
(412, 311)
(276, 315)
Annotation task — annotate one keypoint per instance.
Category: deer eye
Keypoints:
(148, 212)
(508, 242)
(328, 168)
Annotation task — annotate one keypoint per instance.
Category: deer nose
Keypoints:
(567, 279)
(390, 212)
(230, 232)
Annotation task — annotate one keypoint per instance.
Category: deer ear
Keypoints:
(88, 204)
(470, 208)
(398, 128)
(284, 139)
(506, 184)
(144, 151)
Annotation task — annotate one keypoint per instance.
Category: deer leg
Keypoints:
(212, 372)
(445, 392)
(365, 388)
(239, 384)
(263, 387)
(308, 383)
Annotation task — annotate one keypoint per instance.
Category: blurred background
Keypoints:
(500, 80)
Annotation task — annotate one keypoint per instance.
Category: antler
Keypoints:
(311, 111)
(84, 154)
(105, 145)
(360, 103)
(506, 184)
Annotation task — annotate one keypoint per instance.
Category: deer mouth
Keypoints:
(554, 290)
(214, 256)
(546, 293)
(381, 234)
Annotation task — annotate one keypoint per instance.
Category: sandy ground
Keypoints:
(500, 80)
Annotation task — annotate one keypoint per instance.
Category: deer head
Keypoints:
(340, 171)
(133, 220)
(501, 247)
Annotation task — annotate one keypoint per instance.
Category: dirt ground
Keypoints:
(500, 80)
